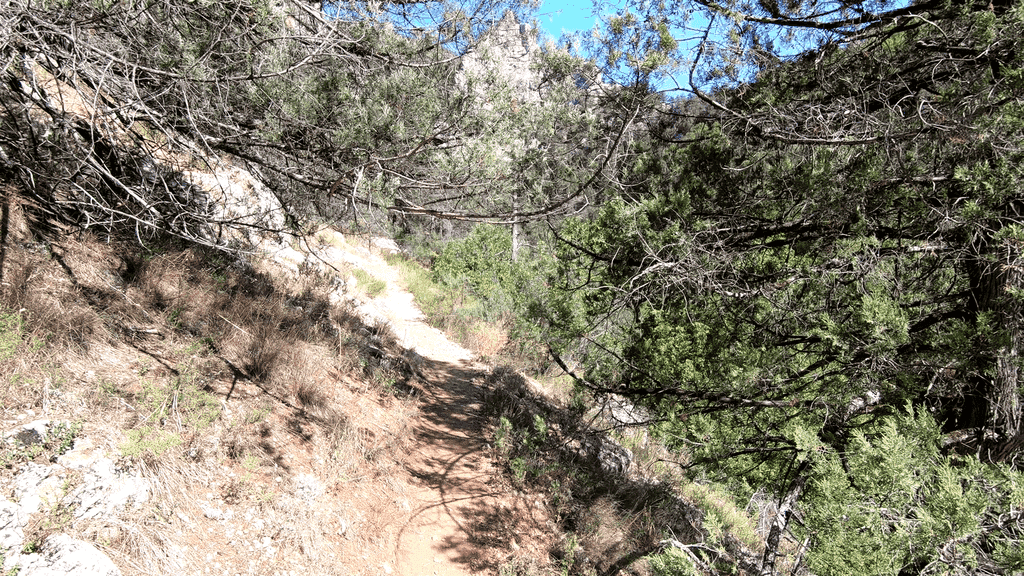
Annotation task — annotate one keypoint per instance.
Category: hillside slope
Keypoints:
(238, 419)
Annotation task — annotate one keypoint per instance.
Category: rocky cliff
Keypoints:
(506, 57)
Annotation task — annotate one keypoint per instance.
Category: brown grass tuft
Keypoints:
(311, 396)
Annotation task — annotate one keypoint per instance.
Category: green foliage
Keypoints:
(11, 329)
(474, 288)
(180, 403)
(503, 439)
(800, 295)
(373, 286)
(149, 442)
(521, 448)
(451, 308)
(672, 562)
(60, 438)
(182, 400)
(257, 415)
(721, 515)
(483, 262)
(891, 501)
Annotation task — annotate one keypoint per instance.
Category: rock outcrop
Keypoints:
(506, 56)
(84, 481)
(172, 181)
(62, 555)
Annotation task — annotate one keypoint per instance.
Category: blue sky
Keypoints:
(555, 16)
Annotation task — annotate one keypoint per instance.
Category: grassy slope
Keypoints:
(217, 380)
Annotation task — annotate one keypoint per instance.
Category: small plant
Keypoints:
(62, 436)
(57, 517)
(182, 400)
(174, 318)
(519, 469)
(257, 415)
(201, 347)
(672, 562)
(569, 550)
(503, 436)
(250, 462)
(371, 285)
(10, 571)
(31, 547)
(11, 329)
(149, 442)
(237, 489)
(111, 389)
(540, 435)
(59, 439)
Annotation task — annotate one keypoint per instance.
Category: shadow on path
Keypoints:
(465, 520)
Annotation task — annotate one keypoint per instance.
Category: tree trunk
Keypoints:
(516, 226)
(771, 548)
(1007, 410)
(992, 402)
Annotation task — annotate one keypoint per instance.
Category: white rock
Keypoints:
(238, 200)
(34, 432)
(84, 454)
(307, 487)
(33, 485)
(62, 555)
(386, 244)
(12, 525)
(213, 513)
(104, 491)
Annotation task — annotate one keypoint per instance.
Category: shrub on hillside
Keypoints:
(508, 290)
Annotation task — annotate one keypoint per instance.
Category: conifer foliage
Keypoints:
(814, 271)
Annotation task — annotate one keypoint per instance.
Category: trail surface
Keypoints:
(460, 519)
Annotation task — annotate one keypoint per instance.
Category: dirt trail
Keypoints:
(458, 521)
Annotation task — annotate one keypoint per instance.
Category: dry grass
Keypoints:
(221, 379)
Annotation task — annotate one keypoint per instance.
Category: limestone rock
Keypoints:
(62, 555)
(241, 207)
(612, 457)
(307, 487)
(505, 55)
(12, 525)
(29, 434)
(102, 492)
(106, 490)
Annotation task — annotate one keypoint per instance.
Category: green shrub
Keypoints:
(502, 290)
(672, 562)
(11, 329)
(183, 401)
(372, 285)
(483, 263)
(149, 441)
(721, 515)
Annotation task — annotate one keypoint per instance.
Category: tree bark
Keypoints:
(771, 548)
(516, 226)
